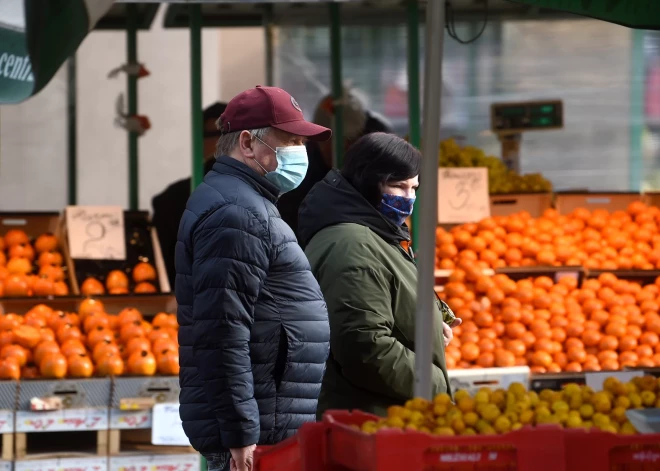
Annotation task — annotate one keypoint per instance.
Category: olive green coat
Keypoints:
(370, 286)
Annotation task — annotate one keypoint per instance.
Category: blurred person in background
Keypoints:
(358, 121)
(352, 226)
(169, 205)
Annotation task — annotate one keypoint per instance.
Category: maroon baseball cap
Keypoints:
(263, 107)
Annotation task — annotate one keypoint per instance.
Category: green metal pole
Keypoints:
(337, 87)
(269, 30)
(636, 161)
(71, 135)
(196, 94)
(131, 50)
(414, 111)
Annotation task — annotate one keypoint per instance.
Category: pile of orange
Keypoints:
(45, 343)
(594, 239)
(31, 269)
(605, 324)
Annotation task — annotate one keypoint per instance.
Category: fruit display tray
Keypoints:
(141, 246)
(78, 393)
(35, 224)
(160, 388)
(528, 449)
(285, 456)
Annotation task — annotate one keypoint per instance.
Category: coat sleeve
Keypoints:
(361, 340)
(230, 261)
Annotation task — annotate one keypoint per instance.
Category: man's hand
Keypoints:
(447, 333)
(241, 458)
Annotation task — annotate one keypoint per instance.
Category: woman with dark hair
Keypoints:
(352, 227)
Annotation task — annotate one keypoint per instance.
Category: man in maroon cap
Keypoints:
(254, 328)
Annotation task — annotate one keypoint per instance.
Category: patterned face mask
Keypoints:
(396, 208)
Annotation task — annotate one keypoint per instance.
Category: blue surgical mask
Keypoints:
(291, 168)
(396, 208)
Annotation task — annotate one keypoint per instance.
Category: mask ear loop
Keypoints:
(257, 162)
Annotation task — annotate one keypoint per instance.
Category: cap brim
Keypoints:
(306, 129)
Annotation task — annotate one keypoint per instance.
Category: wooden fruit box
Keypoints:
(148, 304)
(142, 244)
(534, 203)
(567, 202)
(38, 223)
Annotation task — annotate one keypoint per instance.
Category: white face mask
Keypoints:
(292, 164)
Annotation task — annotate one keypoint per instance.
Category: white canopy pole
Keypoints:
(424, 321)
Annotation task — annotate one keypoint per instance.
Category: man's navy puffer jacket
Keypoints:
(254, 334)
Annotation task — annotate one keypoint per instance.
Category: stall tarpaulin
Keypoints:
(638, 14)
(36, 37)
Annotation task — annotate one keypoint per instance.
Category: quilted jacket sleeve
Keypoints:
(361, 341)
(230, 261)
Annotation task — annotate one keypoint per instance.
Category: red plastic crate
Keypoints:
(596, 450)
(284, 456)
(528, 449)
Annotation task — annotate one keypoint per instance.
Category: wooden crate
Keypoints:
(534, 203)
(55, 445)
(566, 203)
(100, 268)
(35, 224)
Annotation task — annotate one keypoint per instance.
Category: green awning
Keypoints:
(638, 14)
(36, 37)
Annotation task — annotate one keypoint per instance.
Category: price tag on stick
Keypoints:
(462, 195)
(96, 232)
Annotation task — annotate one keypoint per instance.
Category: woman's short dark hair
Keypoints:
(380, 158)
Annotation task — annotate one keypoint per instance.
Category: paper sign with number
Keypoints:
(462, 195)
(96, 232)
(166, 428)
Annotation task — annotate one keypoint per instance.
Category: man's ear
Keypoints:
(246, 143)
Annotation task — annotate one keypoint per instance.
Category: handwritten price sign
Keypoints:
(462, 195)
(96, 232)
(166, 428)
(6, 422)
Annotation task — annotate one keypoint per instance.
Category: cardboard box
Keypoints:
(566, 203)
(135, 223)
(35, 224)
(534, 203)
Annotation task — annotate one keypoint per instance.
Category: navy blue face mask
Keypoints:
(396, 208)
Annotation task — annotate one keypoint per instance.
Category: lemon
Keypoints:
(482, 397)
(469, 431)
(601, 420)
(502, 424)
(648, 398)
(411, 428)
(454, 413)
(395, 422)
(608, 428)
(416, 417)
(466, 404)
(470, 419)
(440, 409)
(618, 414)
(622, 401)
(460, 394)
(571, 389)
(444, 431)
(575, 401)
(526, 417)
(490, 413)
(517, 426)
(498, 397)
(635, 400)
(481, 425)
(441, 421)
(512, 416)
(601, 402)
(627, 429)
(418, 404)
(612, 384)
(560, 406)
(369, 426)
(425, 430)
(533, 398)
(586, 411)
(562, 417)
(574, 422)
(517, 389)
(488, 430)
(442, 398)
(458, 425)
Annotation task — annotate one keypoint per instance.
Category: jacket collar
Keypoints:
(229, 166)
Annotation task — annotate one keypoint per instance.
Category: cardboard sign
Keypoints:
(96, 232)
(462, 195)
(166, 428)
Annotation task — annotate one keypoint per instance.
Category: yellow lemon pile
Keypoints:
(500, 411)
